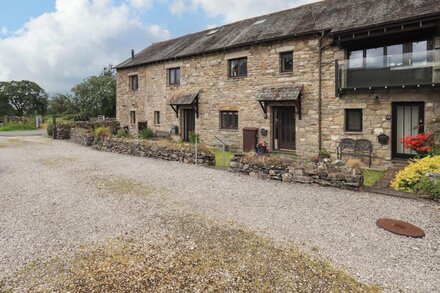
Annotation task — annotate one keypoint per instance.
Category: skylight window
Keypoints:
(260, 21)
(214, 31)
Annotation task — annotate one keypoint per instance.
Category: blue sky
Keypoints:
(58, 43)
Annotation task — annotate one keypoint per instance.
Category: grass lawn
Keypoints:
(219, 158)
(17, 127)
(371, 177)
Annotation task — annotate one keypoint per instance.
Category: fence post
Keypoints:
(197, 151)
(54, 127)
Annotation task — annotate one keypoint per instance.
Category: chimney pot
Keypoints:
(132, 54)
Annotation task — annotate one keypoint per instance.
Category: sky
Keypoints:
(59, 43)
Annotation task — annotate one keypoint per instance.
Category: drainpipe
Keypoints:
(321, 48)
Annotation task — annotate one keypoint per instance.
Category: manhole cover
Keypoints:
(400, 228)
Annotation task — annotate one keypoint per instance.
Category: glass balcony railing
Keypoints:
(412, 69)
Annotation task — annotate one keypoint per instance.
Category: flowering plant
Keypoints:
(422, 143)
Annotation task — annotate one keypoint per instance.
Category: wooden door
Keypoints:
(408, 119)
(189, 123)
(284, 128)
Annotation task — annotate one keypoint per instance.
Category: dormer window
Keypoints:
(134, 82)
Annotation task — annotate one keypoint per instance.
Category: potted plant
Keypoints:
(261, 147)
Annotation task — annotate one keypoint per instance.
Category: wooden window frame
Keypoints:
(282, 55)
(230, 69)
(133, 117)
(224, 127)
(134, 86)
(157, 117)
(170, 72)
(346, 126)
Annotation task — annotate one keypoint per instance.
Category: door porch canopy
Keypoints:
(281, 96)
(187, 101)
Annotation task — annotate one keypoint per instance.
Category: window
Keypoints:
(408, 53)
(156, 117)
(238, 67)
(229, 120)
(395, 55)
(287, 62)
(420, 53)
(353, 120)
(132, 117)
(134, 82)
(174, 76)
(356, 59)
(375, 57)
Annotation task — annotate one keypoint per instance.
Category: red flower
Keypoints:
(421, 143)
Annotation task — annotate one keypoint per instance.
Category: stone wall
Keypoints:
(208, 74)
(155, 149)
(326, 173)
(82, 136)
(158, 149)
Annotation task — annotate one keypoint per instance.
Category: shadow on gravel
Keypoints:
(195, 255)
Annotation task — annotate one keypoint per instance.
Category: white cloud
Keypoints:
(233, 10)
(4, 30)
(61, 48)
(178, 7)
(141, 4)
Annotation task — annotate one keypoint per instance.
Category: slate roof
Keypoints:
(182, 100)
(279, 94)
(334, 16)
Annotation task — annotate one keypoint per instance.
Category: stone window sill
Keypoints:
(229, 130)
(353, 133)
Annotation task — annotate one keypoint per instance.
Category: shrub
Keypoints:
(15, 126)
(146, 133)
(355, 164)
(428, 187)
(103, 132)
(193, 137)
(122, 133)
(409, 178)
(49, 129)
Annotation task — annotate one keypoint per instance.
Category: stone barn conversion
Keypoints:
(301, 80)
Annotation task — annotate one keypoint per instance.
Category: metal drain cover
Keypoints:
(401, 228)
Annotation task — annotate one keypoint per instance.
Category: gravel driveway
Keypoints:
(53, 199)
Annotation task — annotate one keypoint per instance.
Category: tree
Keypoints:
(62, 104)
(96, 95)
(25, 97)
(5, 107)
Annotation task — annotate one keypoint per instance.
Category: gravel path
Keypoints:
(53, 199)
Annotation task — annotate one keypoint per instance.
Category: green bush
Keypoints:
(15, 126)
(122, 133)
(146, 133)
(103, 132)
(428, 187)
(193, 137)
(49, 129)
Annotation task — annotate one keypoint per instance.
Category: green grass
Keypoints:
(219, 158)
(371, 177)
(17, 127)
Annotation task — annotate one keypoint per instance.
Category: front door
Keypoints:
(284, 128)
(189, 123)
(408, 119)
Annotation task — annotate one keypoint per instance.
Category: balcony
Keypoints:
(420, 69)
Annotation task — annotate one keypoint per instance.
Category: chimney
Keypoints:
(132, 54)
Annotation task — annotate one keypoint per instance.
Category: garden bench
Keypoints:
(355, 148)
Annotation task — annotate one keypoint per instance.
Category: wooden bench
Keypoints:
(355, 148)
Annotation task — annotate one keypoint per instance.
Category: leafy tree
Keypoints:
(5, 107)
(62, 104)
(96, 95)
(25, 97)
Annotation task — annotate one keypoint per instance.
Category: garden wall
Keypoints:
(159, 149)
(326, 173)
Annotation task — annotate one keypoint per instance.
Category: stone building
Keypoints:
(302, 79)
